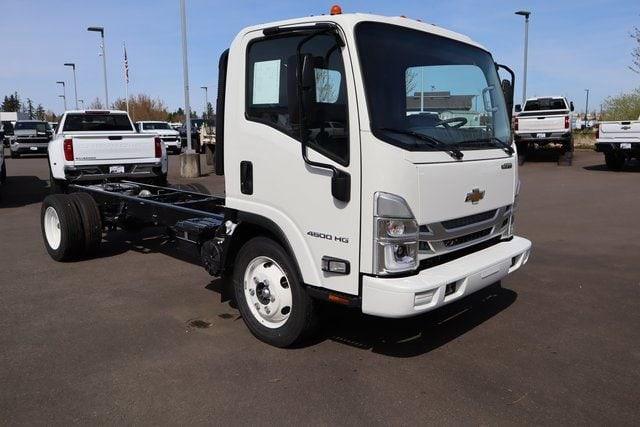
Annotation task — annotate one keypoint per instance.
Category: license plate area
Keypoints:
(625, 146)
(541, 135)
(116, 169)
(33, 148)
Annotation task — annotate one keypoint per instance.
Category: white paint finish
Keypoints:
(619, 132)
(52, 228)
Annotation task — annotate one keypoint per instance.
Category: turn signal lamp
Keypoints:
(336, 10)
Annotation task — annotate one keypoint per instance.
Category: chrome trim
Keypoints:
(438, 234)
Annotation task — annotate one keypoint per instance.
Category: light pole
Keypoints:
(104, 62)
(526, 14)
(586, 109)
(185, 69)
(206, 101)
(64, 98)
(75, 83)
(81, 101)
(64, 94)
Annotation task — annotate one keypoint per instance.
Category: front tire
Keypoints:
(270, 296)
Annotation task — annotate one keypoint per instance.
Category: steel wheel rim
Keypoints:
(267, 292)
(52, 228)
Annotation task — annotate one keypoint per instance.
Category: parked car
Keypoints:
(169, 136)
(3, 165)
(619, 141)
(30, 137)
(103, 145)
(7, 127)
(542, 121)
(196, 125)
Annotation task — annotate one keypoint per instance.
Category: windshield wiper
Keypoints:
(495, 141)
(431, 142)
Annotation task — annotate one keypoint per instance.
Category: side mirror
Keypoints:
(518, 108)
(341, 185)
(571, 106)
(507, 89)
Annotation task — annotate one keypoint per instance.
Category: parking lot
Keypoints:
(110, 338)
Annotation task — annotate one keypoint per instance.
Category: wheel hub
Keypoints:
(267, 292)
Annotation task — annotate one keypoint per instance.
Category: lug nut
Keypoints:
(252, 292)
(266, 309)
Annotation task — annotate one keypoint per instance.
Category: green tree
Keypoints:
(40, 112)
(625, 106)
(11, 103)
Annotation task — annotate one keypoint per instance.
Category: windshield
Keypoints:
(155, 126)
(97, 122)
(417, 82)
(37, 126)
(542, 104)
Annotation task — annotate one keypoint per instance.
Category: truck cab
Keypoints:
(404, 209)
(169, 136)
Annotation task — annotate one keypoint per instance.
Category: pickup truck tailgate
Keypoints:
(541, 123)
(627, 131)
(110, 148)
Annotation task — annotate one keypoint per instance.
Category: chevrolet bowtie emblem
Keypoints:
(475, 196)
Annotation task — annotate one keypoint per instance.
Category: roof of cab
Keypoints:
(349, 20)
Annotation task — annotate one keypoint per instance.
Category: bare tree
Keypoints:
(635, 53)
(96, 104)
(411, 80)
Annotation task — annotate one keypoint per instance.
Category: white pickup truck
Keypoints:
(3, 165)
(169, 136)
(542, 121)
(619, 141)
(103, 145)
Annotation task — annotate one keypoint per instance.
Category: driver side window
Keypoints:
(267, 99)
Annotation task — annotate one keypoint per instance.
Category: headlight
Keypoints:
(396, 235)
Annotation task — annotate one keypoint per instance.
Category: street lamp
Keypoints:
(104, 62)
(586, 109)
(526, 14)
(206, 101)
(64, 94)
(75, 83)
(81, 101)
(64, 98)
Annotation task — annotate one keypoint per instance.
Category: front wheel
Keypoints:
(270, 296)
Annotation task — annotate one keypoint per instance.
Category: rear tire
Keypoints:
(61, 227)
(15, 155)
(91, 221)
(614, 161)
(270, 296)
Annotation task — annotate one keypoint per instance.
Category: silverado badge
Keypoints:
(475, 196)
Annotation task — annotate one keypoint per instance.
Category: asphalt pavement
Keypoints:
(111, 340)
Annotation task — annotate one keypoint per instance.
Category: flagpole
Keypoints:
(126, 76)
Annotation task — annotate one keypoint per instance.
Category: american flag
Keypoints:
(126, 64)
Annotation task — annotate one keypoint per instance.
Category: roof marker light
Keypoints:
(336, 10)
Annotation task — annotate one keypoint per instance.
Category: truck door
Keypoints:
(263, 162)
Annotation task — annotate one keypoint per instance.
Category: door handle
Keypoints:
(246, 177)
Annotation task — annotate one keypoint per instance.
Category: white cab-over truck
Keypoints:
(98, 145)
(169, 136)
(619, 141)
(542, 121)
(396, 215)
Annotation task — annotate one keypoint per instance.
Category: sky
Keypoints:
(573, 45)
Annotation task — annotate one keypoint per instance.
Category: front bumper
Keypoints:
(29, 147)
(548, 138)
(437, 286)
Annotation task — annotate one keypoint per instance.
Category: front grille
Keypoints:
(468, 220)
(467, 238)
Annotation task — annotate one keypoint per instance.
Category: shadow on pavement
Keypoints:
(23, 190)
(631, 166)
(418, 335)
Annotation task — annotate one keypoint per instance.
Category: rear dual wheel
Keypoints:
(71, 225)
(614, 161)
